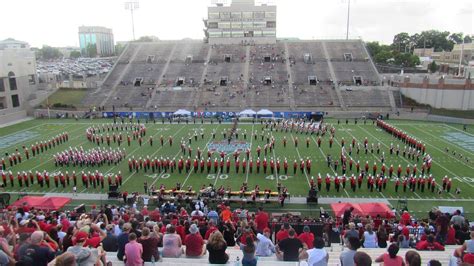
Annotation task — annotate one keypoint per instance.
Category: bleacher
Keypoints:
(334, 253)
(234, 77)
(367, 97)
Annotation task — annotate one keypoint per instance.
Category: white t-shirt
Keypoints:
(317, 257)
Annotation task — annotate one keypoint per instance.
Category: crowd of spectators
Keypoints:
(34, 237)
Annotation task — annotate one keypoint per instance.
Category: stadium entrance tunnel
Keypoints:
(348, 57)
(180, 81)
(267, 81)
(138, 82)
(224, 81)
(267, 59)
(189, 59)
(357, 80)
(228, 58)
(313, 80)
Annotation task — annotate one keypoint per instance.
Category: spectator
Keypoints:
(434, 263)
(391, 258)
(67, 240)
(171, 243)
(226, 214)
(347, 256)
(38, 252)
(382, 237)
(403, 241)
(65, 259)
(362, 259)
(210, 230)
(369, 238)
(109, 243)
(248, 251)
(429, 244)
(283, 233)
(318, 256)
(150, 246)
(307, 238)
(289, 249)
(442, 222)
(84, 255)
(457, 218)
(133, 251)
(451, 236)
(347, 216)
(122, 240)
(405, 218)
(228, 230)
(412, 258)
(466, 251)
(213, 216)
(261, 220)
(194, 243)
(352, 232)
(265, 246)
(216, 247)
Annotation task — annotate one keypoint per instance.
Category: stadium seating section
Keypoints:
(288, 75)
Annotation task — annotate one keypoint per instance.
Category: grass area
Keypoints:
(469, 114)
(71, 97)
(437, 137)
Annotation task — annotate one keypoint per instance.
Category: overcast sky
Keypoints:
(56, 22)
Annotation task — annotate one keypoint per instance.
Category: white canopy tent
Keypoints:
(247, 112)
(182, 112)
(265, 112)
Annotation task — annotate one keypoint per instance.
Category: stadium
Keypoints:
(243, 133)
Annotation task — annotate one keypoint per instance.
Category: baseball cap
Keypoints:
(193, 229)
(81, 236)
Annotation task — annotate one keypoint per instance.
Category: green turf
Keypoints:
(431, 133)
(71, 97)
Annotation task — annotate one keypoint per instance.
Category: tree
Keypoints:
(91, 50)
(406, 59)
(433, 67)
(435, 39)
(75, 54)
(48, 52)
(380, 53)
(401, 42)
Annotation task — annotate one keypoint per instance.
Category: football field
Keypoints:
(450, 147)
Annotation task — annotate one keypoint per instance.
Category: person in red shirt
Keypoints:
(194, 243)
(261, 220)
(94, 239)
(429, 244)
(212, 228)
(307, 237)
(283, 233)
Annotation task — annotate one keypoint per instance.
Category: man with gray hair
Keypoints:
(33, 253)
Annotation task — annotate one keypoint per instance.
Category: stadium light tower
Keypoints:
(132, 5)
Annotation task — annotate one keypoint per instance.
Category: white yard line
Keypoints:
(443, 152)
(251, 154)
(457, 129)
(449, 171)
(299, 155)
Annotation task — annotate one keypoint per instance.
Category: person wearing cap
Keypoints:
(37, 252)
(265, 246)
(122, 240)
(291, 248)
(306, 237)
(85, 256)
(195, 246)
(109, 243)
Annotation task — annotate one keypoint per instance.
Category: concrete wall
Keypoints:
(442, 98)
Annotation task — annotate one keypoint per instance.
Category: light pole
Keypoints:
(132, 5)
(348, 15)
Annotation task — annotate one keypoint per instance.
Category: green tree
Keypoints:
(401, 42)
(406, 59)
(380, 53)
(91, 50)
(433, 67)
(48, 52)
(75, 54)
(439, 40)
